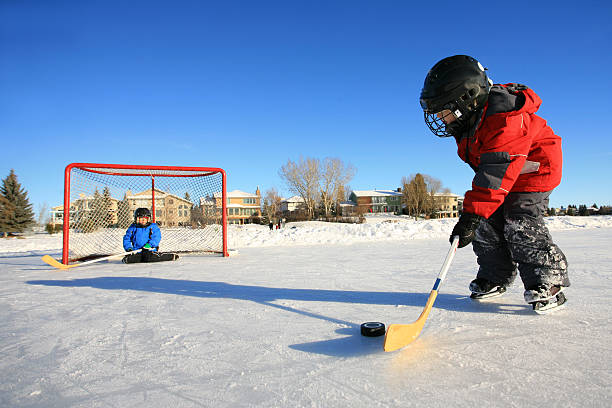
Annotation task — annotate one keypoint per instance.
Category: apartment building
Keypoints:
(242, 207)
(377, 201)
(448, 205)
(170, 210)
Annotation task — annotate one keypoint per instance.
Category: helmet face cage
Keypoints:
(436, 123)
(461, 108)
(457, 84)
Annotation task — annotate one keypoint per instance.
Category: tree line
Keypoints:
(323, 183)
(582, 210)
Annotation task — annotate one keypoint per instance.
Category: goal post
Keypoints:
(188, 204)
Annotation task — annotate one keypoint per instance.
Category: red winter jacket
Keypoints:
(512, 150)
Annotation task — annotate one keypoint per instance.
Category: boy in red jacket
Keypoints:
(517, 160)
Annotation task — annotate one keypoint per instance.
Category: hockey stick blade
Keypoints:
(49, 260)
(400, 335)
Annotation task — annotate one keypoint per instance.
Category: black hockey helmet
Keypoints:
(458, 84)
(142, 212)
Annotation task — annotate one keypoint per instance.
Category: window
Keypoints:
(170, 201)
(248, 201)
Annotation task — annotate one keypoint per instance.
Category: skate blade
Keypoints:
(487, 296)
(549, 298)
(550, 308)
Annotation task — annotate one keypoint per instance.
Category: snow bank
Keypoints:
(377, 228)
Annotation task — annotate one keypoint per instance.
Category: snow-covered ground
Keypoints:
(278, 325)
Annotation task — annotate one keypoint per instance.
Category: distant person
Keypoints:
(145, 235)
(517, 160)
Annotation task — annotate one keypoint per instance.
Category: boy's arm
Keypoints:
(155, 237)
(127, 239)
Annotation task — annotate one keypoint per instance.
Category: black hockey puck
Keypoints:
(372, 329)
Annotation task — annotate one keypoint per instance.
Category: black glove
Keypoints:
(466, 228)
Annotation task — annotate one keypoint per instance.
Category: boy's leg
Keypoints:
(146, 255)
(132, 258)
(161, 257)
(491, 248)
(541, 263)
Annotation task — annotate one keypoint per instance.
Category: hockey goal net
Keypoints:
(188, 204)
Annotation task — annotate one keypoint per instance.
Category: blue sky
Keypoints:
(247, 85)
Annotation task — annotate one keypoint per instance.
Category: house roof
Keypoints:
(158, 194)
(376, 193)
(446, 195)
(236, 194)
(294, 199)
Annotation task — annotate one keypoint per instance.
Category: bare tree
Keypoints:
(302, 178)
(433, 184)
(346, 193)
(419, 192)
(272, 204)
(43, 214)
(334, 176)
(415, 195)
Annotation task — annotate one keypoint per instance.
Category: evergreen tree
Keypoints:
(98, 212)
(7, 212)
(124, 214)
(16, 213)
(107, 208)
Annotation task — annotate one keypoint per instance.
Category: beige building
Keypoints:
(170, 210)
(448, 205)
(242, 207)
(81, 207)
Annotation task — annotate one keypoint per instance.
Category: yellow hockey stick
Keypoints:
(56, 264)
(400, 335)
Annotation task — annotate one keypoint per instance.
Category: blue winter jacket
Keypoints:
(138, 236)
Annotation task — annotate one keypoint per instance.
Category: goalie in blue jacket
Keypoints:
(146, 235)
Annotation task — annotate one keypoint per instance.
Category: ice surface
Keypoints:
(278, 325)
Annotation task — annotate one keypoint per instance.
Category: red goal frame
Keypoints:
(140, 170)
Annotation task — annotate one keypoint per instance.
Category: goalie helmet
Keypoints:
(142, 212)
(457, 86)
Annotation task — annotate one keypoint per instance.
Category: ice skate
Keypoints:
(483, 289)
(545, 300)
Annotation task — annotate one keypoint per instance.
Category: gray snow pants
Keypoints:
(515, 235)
